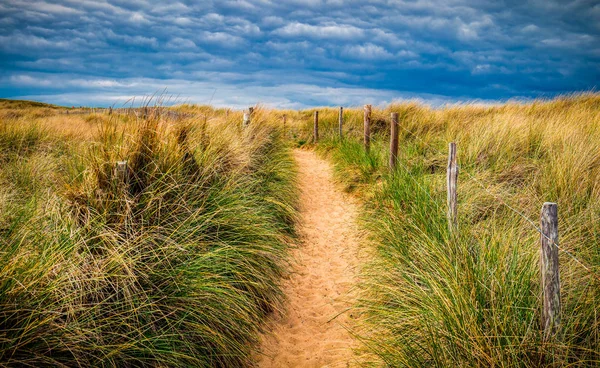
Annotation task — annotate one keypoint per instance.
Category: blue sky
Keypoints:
(295, 53)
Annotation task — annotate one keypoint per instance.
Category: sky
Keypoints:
(297, 53)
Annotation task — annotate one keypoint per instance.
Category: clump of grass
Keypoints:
(176, 265)
(430, 299)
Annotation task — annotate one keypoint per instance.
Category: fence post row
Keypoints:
(394, 140)
(549, 270)
(367, 124)
(316, 128)
(341, 122)
(452, 179)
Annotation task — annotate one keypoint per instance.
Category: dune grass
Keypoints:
(475, 300)
(174, 262)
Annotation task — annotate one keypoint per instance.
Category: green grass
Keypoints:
(176, 267)
(430, 299)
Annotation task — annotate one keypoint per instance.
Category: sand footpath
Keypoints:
(313, 332)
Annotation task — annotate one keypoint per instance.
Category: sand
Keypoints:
(313, 330)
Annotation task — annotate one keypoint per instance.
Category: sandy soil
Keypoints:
(313, 332)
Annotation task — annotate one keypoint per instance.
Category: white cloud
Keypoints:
(179, 43)
(331, 31)
(139, 18)
(223, 39)
(367, 51)
(183, 21)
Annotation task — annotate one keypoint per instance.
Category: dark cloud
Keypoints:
(330, 51)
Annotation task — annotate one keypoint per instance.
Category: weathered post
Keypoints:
(284, 119)
(394, 141)
(122, 172)
(452, 179)
(316, 128)
(341, 122)
(367, 126)
(246, 120)
(110, 110)
(549, 271)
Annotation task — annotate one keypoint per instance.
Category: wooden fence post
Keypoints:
(367, 123)
(246, 120)
(452, 179)
(122, 172)
(316, 128)
(549, 271)
(394, 141)
(341, 122)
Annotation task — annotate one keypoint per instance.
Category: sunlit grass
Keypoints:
(177, 266)
(432, 300)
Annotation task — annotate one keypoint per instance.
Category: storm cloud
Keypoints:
(297, 53)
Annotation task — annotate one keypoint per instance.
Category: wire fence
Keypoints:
(519, 213)
(548, 229)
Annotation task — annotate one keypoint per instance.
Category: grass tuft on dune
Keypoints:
(175, 263)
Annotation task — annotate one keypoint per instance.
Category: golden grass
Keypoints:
(475, 301)
(176, 267)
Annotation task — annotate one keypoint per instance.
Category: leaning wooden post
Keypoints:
(549, 271)
(452, 179)
(341, 122)
(121, 172)
(394, 141)
(246, 120)
(316, 128)
(367, 123)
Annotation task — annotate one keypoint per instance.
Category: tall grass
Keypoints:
(175, 266)
(433, 300)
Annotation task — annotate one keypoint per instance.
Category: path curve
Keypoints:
(313, 332)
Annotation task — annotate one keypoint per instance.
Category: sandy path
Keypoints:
(321, 286)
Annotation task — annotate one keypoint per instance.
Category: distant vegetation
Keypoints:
(22, 104)
(172, 259)
(430, 300)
